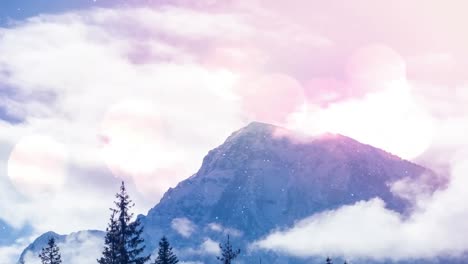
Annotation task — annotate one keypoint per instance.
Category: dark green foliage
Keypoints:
(329, 261)
(123, 242)
(51, 253)
(165, 254)
(227, 253)
(109, 255)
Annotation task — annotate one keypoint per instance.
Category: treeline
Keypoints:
(123, 243)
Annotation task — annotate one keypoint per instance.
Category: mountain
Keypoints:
(40, 242)
(259, 180)
(264, 177)
(89, 241)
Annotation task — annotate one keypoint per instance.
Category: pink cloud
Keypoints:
(325, 91)
(270, 98)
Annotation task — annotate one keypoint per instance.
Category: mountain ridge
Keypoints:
(224, 188)
(264, 177)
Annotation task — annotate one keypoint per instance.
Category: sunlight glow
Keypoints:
(37, 165)
(131, 136)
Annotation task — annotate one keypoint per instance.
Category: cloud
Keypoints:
(423, 112)
(375, 104)
(78, 248)
(369, 230)
(435, 119)
(104, 75)
(155, 87)
(207, 247)
(9, 254)
(339, 233)
(95, 67)
(138, 93)
(281, 96)
(210, 247)
(183, 226)
(216, 227)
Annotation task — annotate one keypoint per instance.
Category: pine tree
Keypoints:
(123, 242)
(329, 261)
(165, 254)
(109, 255)
(227, 253)
(51, 253)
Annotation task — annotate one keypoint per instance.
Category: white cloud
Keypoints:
(210, 247)
(375, 105)
(9, 254)
(71, 69)
(369, 230)
(69, 72)
(215, 227)
(183, 226)
(224, 230)
(207, 247)
(339, 232)
(78, 248)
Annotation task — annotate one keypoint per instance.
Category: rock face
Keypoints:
(260, 179)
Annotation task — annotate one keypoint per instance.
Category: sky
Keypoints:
(20, 9)
(93, 92)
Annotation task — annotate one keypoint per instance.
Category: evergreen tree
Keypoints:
(227, 253)
(123, 242)
(109, 255)
(165, 254)
(51, 253)
(329, 261)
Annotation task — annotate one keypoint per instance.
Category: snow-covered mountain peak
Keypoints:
(262, 177)
(265, 177)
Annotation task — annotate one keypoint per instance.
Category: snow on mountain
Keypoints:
(258, 181)
(76, 248)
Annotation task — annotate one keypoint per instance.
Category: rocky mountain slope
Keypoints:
(259, 180)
